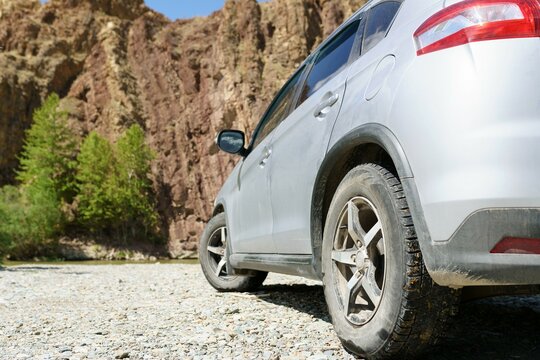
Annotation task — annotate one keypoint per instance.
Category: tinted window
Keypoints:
(379, 21)
(331, 59)
(278, 110)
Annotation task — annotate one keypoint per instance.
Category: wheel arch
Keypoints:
(218, 208)
(369, 143)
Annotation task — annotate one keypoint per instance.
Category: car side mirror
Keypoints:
(232, 142)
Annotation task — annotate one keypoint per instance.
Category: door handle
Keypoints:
(329, 100)
(266, 155)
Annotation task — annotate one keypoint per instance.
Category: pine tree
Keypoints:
(115, 191)
(96, 174)
(48, 156)
(32, 213)
(134, 168)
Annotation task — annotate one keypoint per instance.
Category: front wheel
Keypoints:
(381, 299)
(213, 259)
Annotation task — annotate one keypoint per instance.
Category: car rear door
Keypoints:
(251, 219)
(300, 142)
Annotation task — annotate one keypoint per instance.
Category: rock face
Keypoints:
(116, 62)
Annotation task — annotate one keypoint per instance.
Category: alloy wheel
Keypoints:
(217, 251)
(358, 260)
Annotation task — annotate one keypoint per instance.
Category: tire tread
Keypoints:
(412, 334)
(425, 308)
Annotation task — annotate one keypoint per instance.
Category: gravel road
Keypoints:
(170, 312)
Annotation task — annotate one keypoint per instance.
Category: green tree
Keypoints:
(96, 174)
(32, 213)
(48, 156)
(115, 191)
(134, 168)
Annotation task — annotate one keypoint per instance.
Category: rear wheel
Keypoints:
(213, 259)
(380, 296)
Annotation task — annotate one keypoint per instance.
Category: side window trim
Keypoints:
(357, 45)
(298, 91)
(395, 16)
(300, 85)
(359, 41)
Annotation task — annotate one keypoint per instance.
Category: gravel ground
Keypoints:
(170, 312)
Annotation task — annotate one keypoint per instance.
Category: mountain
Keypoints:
(116, 63)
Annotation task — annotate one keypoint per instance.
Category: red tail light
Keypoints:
(478, 20)
(512, 245)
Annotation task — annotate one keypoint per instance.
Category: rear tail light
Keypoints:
(478, 20)
(513, 245)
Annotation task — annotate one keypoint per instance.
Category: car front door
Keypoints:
(251, 222)
(300, 142)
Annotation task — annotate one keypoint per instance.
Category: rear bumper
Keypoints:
(465, 260)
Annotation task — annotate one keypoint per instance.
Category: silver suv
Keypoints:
(398, 164)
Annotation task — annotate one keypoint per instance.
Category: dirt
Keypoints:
(154, 311)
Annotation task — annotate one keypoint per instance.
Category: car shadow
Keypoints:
(305, 298)
(497, 328)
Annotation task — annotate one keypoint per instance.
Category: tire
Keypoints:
(213, 259)
(381, 299)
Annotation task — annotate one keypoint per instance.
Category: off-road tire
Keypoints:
(209, 262)
(413, 311)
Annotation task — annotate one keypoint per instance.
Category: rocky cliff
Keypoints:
(116, 62)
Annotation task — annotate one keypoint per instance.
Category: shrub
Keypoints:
(5, 240)
(31, 221)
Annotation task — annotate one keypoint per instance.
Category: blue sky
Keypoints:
(175, 9)
(181, 9)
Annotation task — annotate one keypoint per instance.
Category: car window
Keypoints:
(330, 60)
(278, 110)
(379, 20)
